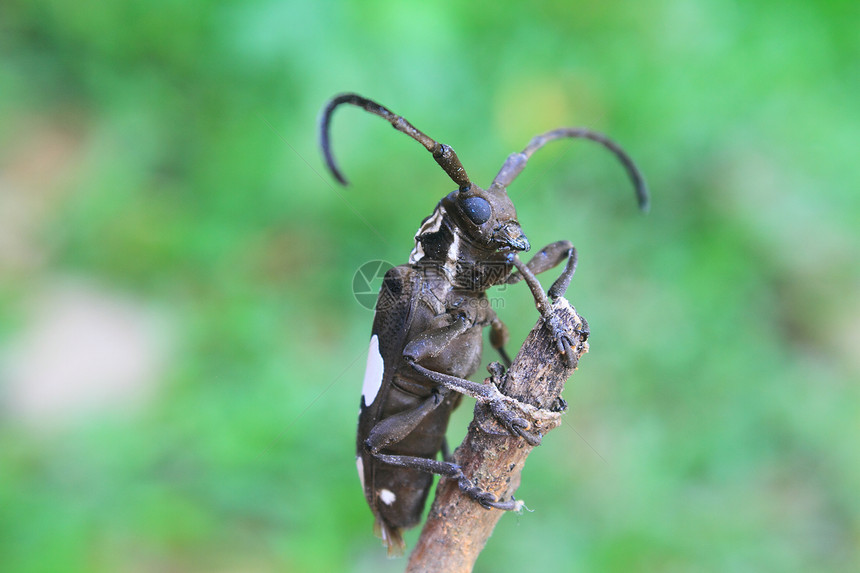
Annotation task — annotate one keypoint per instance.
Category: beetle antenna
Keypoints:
(443, 154)
(516, 162)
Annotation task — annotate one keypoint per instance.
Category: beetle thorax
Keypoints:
(448, 254)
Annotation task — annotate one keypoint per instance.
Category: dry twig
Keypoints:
(457, 527)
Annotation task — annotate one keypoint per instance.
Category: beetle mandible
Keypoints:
(427, 328)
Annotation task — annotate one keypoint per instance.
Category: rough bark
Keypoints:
(457, 527)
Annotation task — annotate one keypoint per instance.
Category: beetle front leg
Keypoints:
(432, 342)
(547, 258)
(562, 339)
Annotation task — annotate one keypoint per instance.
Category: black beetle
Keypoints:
(427, 330)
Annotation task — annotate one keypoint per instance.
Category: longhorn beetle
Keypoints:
(427, 329)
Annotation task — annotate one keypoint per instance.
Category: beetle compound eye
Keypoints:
(477, 209)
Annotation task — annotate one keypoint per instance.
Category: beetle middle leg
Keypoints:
(487, 393)
(445, 450)
(559, 287)
(498, 338)
(547, 258)
(562, 338)
(433, 342)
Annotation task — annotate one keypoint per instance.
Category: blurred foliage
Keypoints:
(172, 152)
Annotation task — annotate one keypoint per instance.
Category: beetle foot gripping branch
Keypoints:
(518, 418)
(564, 338)
(456, 532)
(506, 415)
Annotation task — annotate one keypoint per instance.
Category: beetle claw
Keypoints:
(519, 427)
(487, 500)
(532, 439)
(563, 341)
(512, 504)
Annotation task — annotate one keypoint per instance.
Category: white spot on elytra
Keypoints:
(360, 465)
(387, 496)
(373, 372)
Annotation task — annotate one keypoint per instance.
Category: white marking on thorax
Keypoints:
(431, 225)
(387, 496)
(452, 256)
(373, 372)
(360, 465)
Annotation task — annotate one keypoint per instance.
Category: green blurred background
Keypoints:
(181, 352)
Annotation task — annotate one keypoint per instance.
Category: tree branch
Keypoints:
(457, 527)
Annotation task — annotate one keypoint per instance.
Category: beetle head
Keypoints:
(486, 217)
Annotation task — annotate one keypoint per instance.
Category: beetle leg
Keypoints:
(432, 342)
(547, 258)
(562, 338)
(445, 450)
(483, 392)
(498, 338)
(514, 424)
(452, 471)
(394, 428)
(559, 287)
(487, 393)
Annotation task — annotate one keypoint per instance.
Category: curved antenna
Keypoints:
(443, 154)
(516, 162)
